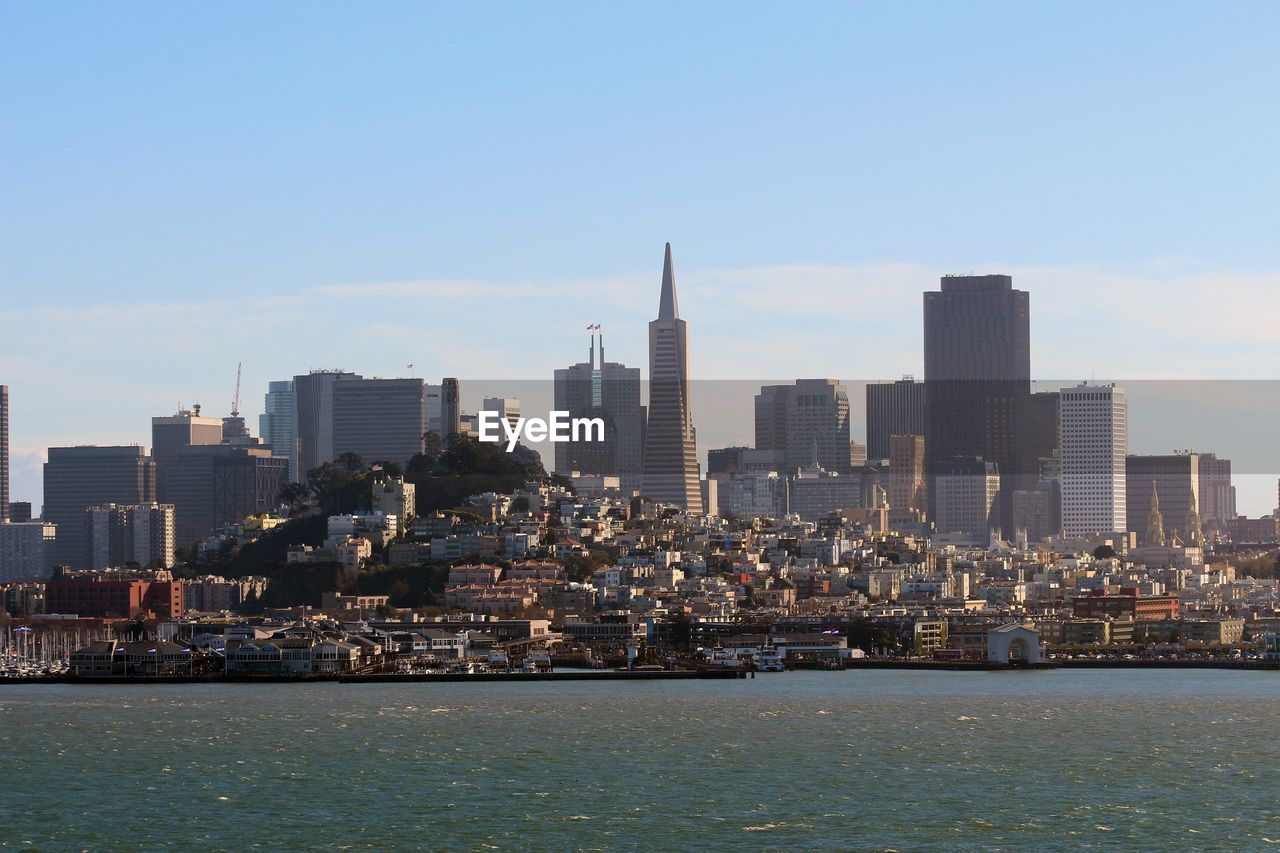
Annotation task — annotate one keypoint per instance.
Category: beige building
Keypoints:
(393, 496)
(966, 493)
(908, 489)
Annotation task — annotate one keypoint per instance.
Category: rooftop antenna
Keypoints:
(235, 402)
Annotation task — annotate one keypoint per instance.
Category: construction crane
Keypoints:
(235, 403)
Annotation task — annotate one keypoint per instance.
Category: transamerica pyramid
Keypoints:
(671, 471)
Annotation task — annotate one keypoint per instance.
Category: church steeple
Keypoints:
(1194, 533)
(1155, 521)
(668, 309)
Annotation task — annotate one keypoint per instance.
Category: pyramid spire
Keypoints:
(667, 307)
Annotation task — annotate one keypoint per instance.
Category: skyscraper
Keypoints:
(1044, 437)
(893, 408)
(611, 392)
(977, 373)
(313, 393)
(670, 454)
(379, 420)
(1217, 495)
(214, 485)
(1095, 442)
(4, 453)
(76, 478)
(184, 428)
(278, 423)
(805, 419)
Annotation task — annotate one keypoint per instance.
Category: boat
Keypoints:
(721, 657)
(768, 660)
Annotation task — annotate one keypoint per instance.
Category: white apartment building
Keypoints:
(1094, 424)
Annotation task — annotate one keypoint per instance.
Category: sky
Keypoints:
(465, 187)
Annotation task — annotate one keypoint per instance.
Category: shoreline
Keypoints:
(643, 675)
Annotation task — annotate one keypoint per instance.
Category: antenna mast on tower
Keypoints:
(235, 402)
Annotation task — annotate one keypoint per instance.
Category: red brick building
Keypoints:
(1127, 605)
(107, 596)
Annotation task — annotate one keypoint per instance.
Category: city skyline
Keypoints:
(949, 458)
(872, 173)
(1254, 477)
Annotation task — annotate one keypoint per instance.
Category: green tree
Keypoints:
(399, 592)
(351, 463)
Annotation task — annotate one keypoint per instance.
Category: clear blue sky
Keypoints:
(465, 186)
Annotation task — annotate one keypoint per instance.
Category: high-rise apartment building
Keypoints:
(139, 533)
(278, 423)
(1173, 479)
(977, 373)
(26, 550)
(807, 421)
(893, 408)
(1094, 445)
(185, 428)
(611, 392)
(670, 452)
(76, 478)
(379, 420)
(313, 396)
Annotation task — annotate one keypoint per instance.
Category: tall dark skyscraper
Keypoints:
(670, 450)
(893, 408)
(76, 478)
(168, 434)
(1044, 438)
(4, 452)
(219, 484)
(977, 373)
(379, 420)
(313, 395)
(611, 392)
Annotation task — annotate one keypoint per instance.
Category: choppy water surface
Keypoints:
(862, 760)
